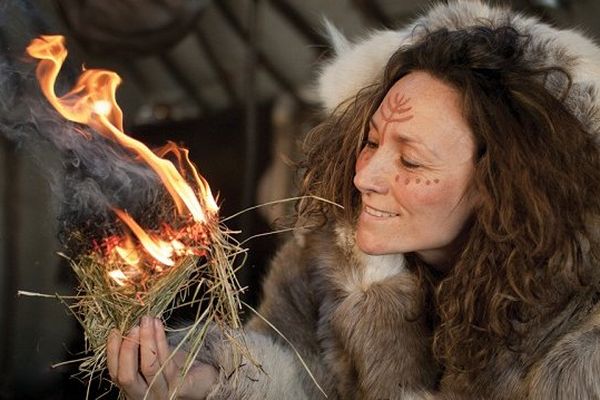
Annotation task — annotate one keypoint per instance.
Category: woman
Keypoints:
(465, 262)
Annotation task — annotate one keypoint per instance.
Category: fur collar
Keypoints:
(372, 268)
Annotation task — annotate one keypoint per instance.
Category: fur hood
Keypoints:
(361, 63)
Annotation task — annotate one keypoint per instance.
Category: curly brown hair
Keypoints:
(537, 172)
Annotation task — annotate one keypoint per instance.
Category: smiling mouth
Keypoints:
(379, 213)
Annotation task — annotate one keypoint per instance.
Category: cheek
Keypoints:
(420, 192)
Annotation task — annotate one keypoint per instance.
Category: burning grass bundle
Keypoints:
(130, 265)
(109, 299)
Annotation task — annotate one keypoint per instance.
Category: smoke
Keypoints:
(94, 175)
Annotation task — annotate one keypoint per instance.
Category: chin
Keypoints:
(371, 245)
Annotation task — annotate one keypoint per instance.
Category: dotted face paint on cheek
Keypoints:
(397, 179)
(418, 181)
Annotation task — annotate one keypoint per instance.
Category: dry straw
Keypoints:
(209, 282)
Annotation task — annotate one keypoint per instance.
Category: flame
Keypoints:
(118, 276)
(102, 107)
(128, 252)
(159, 249)
(92, 101)
(171, 148)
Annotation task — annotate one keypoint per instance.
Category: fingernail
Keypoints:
(158, 323)
(145, 321)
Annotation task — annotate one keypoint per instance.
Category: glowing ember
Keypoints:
(118, 276)
(92, 101)
(128, 252)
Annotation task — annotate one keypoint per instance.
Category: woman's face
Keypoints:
(414, 172)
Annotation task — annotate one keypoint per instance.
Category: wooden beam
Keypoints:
(250, 178)
(297, 20)
(261, 57)
(184, 82)
(373, 12)
(219, 69)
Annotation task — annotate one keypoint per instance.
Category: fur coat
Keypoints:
(355, 319)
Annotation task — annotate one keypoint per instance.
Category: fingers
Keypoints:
(113, 346)
(128, 377)
(171, 369)
(142, 362)
(198, 382)
(150, 364)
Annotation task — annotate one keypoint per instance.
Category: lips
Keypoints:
(374, 212)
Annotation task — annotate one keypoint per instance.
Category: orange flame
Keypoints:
(128, 252)
(118, 276)
(157, 248)
(92, 101)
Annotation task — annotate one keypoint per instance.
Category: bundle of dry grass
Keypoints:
(104, 303)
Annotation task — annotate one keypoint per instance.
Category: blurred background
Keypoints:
(229, 79)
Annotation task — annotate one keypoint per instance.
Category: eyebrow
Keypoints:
(405, 139)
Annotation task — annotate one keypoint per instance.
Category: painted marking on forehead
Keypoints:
(393, 110)
(396, 105)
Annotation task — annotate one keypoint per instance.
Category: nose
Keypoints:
(371, 175)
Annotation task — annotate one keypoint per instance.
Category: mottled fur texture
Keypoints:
(363, 336)
(356, 320)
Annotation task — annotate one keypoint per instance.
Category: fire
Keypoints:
(102, 107)
(118, 276)
(92, 101)
(128, 252)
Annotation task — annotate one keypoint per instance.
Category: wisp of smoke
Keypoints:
(95, 174)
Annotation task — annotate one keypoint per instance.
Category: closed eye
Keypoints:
(409, 164)
(370, 144)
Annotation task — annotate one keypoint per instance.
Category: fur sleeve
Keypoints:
(571, 369)
(277, 376)
(288, 303)
(272, 373)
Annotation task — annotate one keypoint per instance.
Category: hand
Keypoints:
(135, 360)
